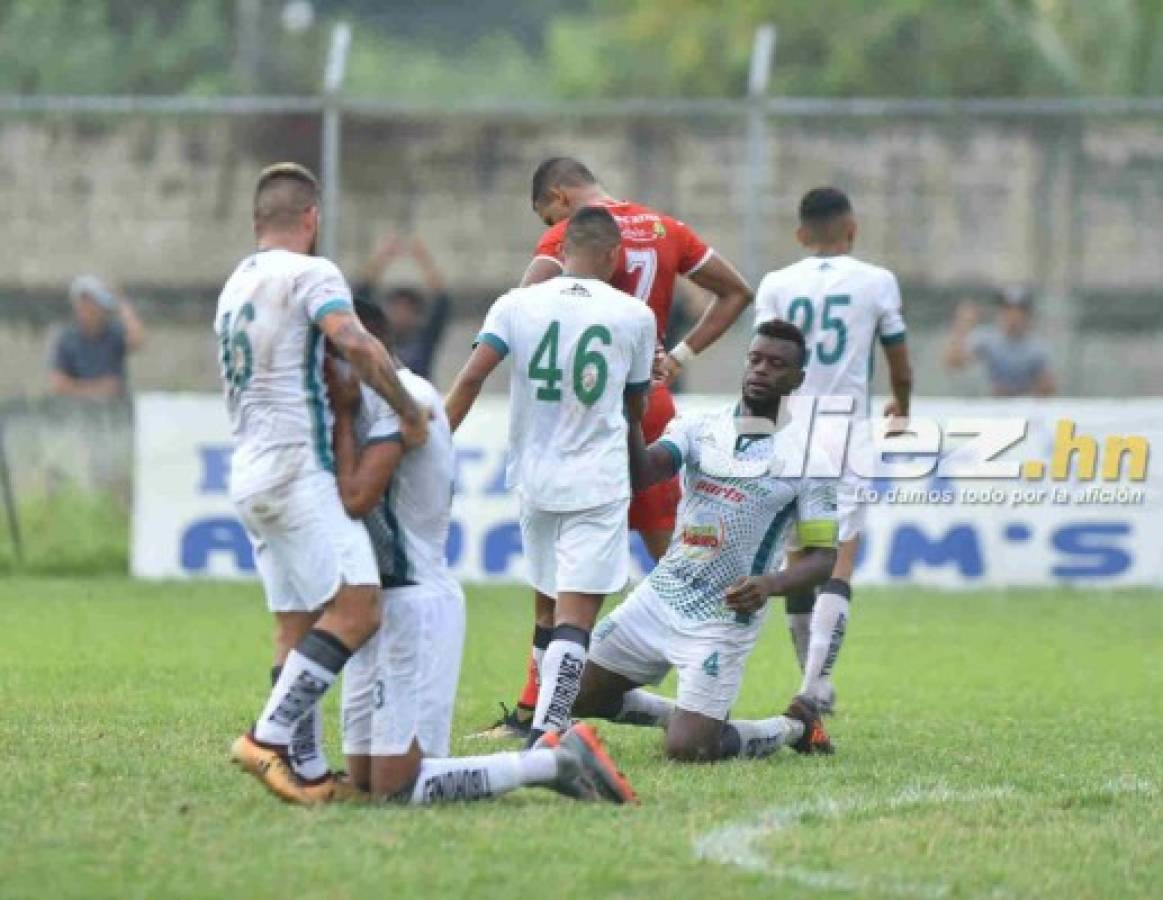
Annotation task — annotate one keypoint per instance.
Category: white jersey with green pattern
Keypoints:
(271, 357)
(743, 494)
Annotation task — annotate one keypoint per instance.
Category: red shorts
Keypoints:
(654, 509)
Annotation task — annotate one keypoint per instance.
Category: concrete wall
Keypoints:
(162, 205)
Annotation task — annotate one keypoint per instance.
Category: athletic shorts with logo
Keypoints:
(586, 551)
(305, 545)
(400, 686)
(644, 638)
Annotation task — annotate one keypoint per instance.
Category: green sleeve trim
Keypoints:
(394, 437)
(675, 454)
(493, 341)
(818, 533)
(887, 340)
(637, 387)
(332, 306)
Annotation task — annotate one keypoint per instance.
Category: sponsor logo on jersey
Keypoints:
(659, 229)
(702, 536)
(720, 491)
(576, 290)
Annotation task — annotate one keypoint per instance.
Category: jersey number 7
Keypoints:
(590, 369)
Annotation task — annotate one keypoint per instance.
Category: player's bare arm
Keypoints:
(810, 568)
(363, 477)
(468, 384)
(900, 377)
(373, 364)
(732, 295)
(648, 465)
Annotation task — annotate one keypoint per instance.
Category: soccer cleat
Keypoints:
(271, 766)
(815, 739)
(597, 765)
(550, 740)
(827, 699)
(514, 724)
(572, 779)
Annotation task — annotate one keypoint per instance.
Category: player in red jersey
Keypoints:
(656, 250)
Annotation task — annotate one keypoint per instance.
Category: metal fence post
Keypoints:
(755, 184)
(332, 138)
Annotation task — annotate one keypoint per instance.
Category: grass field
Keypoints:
(1003, 746)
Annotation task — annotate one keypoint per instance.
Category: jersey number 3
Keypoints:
(590, 369)
(802, 314)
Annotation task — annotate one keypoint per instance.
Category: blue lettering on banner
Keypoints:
(502, 543)
(496, 487)
(959, 546)
(1092, 556)
(215, 460)
(454, 545)
(221, 535)
(640, 554)
(464, 456)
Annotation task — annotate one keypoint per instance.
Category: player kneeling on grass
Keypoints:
(399, 688)
(701, 610)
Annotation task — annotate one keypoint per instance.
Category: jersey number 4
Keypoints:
(802, 314)
(237, 355)
(590, 369)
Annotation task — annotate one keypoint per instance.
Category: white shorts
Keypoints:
(643, 638)
(587, 551)
(305, 545)
(400, 686)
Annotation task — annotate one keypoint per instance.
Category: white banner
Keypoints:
(926, 530)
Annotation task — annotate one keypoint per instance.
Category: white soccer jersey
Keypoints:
(841, 304)
(577, 345)
(742, 493)
(271, 354)
(409, 527)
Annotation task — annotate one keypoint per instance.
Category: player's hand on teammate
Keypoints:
(342, 386)
(669, 369)
(747, 594)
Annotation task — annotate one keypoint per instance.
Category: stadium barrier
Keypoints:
(1094, 526)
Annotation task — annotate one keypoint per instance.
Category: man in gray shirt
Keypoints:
(88, 355)
(1016, 361)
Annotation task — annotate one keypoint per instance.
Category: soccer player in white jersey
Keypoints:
(702, 608)
(400, 686)
(843, 306)
(316, 564)
(581, 350)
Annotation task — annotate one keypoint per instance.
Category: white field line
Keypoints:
(736, 843)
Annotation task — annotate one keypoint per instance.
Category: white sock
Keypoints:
(308, 758)
(641, 707)
(762, 737)
(299, 688)
(799, 625)
(561, 672)
(829, 622)
(538, 659)
(479, 777)
(311, 668)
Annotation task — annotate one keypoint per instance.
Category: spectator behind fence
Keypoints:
(88, 355)
(1017, 362)
(417, 321)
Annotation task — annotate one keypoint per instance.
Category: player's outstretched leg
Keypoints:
(309, 671)
(694, 737)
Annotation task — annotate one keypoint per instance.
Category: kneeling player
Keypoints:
(701, 610)
(399, 688)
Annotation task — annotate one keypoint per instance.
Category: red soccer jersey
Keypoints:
(656, 249)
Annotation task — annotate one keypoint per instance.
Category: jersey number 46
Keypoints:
(590, 369)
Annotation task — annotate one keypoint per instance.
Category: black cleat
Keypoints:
(815, 739)
(514, 724)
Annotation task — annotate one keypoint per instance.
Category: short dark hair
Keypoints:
(592, 228)
(559, 171)
(373, 319)
(284, 191)
(779, 330)
(822, 205)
